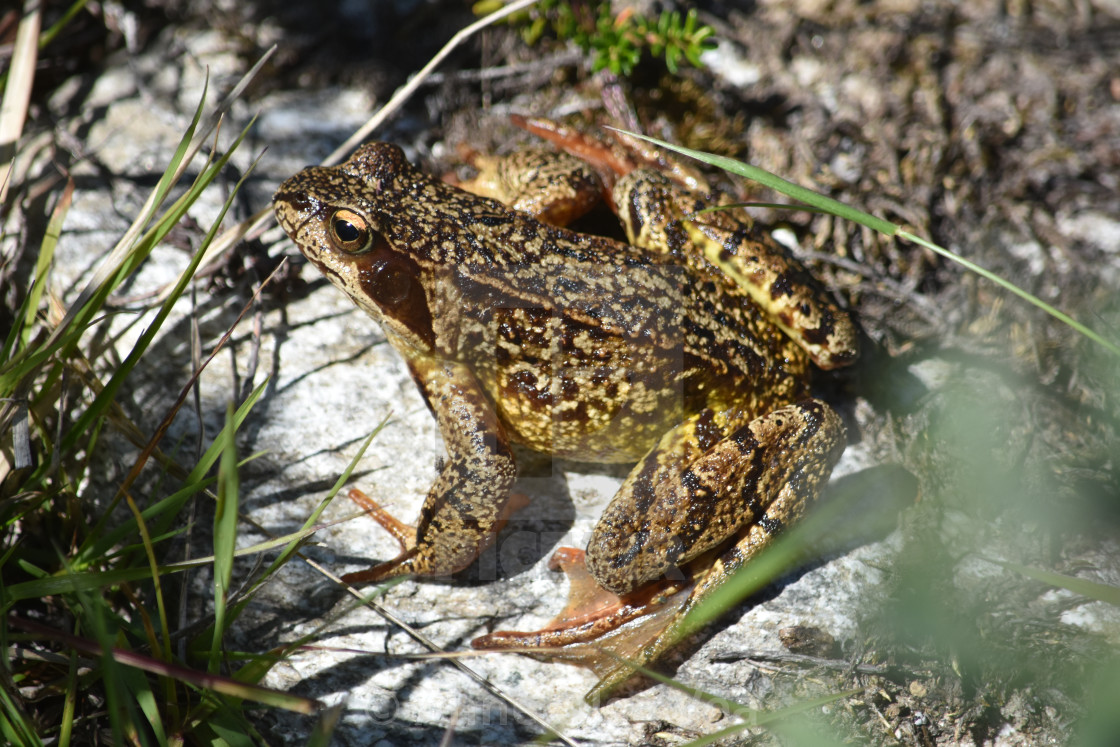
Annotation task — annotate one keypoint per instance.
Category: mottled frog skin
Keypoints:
(685, 349)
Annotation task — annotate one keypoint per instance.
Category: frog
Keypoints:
(684, 348)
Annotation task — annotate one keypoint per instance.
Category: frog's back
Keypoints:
(591, 350)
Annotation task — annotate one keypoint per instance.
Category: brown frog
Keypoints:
(685, 349)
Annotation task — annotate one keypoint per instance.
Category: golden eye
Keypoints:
(350, 232)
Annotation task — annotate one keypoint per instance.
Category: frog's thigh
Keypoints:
(783, 287)
(555, 188)
(670, 511)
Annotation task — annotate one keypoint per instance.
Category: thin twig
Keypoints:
(404, 92)
(424, 641)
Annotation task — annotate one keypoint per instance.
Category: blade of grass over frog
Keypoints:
(827, 204)
(225, 536)
(772, 205)
(778, 184)
(224, 685)
(403, 93)
(25, 317)
(777, 558)
(1091, 589)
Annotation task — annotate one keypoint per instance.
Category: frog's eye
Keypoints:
(350, 232)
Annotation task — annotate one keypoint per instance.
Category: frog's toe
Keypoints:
(404, 534)
(398, 566)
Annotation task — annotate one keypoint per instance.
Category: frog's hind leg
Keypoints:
(554, 188)
(788, 456)
(669, 511)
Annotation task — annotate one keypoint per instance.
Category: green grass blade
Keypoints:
(100, 543)
(138, 662)
(48, 36)
(768, 719)
(783, 553)
(1007, 285)
(141, 691)
(108, 394)
(308, 525)
(778, 184)
(839, 209)
(225, 537)
(120, 263)
(66, 728)
(1091, 589)
(15, 726)
(25, 317)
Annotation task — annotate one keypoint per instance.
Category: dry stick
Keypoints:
(405, 91)
(420, 638)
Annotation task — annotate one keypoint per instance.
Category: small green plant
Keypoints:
(617, 41)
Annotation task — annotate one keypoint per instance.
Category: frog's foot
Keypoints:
(610, 163)
(617, 157)
(591, 612)
(404, 534)
(410, 559)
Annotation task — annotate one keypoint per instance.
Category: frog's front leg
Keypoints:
(466, 506)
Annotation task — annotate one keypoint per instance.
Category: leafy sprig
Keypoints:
(617, 42)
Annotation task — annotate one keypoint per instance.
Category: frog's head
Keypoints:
(338, 217)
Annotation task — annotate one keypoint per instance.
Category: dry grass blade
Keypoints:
(217, 683)
(423, 640)
(258, 221)
(17, 93)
